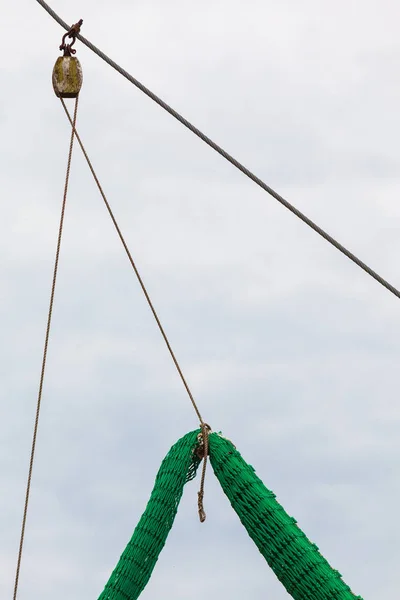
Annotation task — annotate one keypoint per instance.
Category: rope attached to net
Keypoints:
(296, 561)
(44, 360)
(202, 452)
(204, 427)
(227, 156)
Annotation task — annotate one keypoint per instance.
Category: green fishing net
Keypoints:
(296, 562)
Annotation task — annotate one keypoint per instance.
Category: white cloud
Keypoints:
(288, 347)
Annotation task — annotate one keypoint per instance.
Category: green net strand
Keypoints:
(296, 562)
(138, 560)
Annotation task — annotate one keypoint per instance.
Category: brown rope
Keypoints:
(121, 237)
(205, 430)
(46, 344)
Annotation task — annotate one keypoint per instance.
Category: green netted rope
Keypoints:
(296, 562)
(138, 560)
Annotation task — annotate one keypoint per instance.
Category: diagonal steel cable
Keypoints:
(227, 156)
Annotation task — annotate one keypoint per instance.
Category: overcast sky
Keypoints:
(290, 349)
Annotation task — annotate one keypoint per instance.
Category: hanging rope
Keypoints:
(44, 360)
(204, 427)
(227, 156)
(202, 453)
(134, 267)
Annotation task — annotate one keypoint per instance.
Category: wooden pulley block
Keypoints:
(67, 77)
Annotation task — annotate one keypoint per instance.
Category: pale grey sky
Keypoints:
(289, 348)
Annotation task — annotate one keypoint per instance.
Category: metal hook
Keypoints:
(72, 33)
